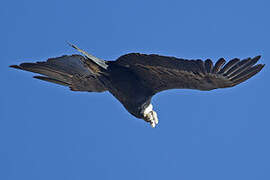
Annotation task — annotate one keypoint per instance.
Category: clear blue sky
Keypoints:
(49, 132)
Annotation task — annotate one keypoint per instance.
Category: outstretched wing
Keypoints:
(162, 73)
(74, 71)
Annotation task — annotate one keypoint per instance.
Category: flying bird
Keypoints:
(135, 78)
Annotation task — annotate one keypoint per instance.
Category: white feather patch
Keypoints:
(148, 109)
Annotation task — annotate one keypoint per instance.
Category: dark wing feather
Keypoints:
(73, 71)
(162, 73)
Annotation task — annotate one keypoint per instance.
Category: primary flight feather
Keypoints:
(134, 78)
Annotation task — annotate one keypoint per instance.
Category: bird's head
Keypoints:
(150, 116)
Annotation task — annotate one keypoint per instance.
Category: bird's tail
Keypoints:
(101, 63)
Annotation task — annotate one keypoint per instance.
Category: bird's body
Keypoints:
(128, 88)
(134, 78)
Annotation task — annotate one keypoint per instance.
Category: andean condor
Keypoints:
(135, 78)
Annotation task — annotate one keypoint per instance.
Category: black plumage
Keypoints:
(134, 78)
